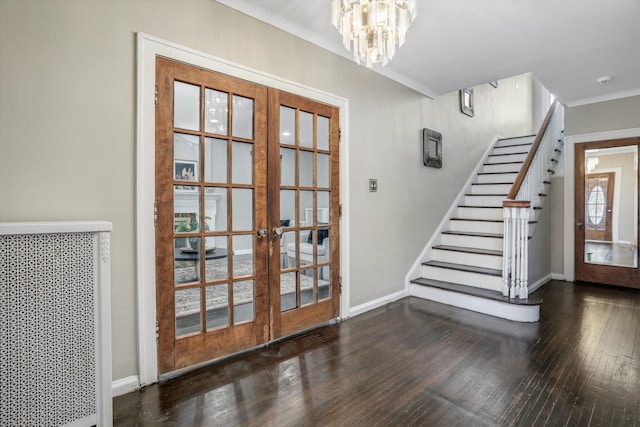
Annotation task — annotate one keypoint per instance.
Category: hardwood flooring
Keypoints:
(420, 363)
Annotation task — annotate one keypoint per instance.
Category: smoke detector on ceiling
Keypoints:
(604, 80)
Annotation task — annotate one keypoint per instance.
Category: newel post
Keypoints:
(515, 260)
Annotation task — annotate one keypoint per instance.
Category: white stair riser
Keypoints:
(481, 213)
(491, 189)
(511, 149)
(508, 167)
(484, 200)
(502, 177)
(507, 158)
(465, 258)
(514, 141)
(492, 243)
(462, 277)
(477, 226)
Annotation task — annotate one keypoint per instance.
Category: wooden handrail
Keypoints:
(515, 188)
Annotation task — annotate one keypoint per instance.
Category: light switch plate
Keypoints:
(373, 185)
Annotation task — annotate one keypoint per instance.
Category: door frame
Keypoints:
(148, 47)
(599, 273)
(569, 190)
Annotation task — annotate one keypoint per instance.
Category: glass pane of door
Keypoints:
(611, 206)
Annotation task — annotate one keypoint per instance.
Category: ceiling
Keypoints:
(453, 44)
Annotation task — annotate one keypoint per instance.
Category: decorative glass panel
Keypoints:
(323, 133)
(287, 166)
(186, 152)
(186, 267)
(287, 125)
(306, 285)
(324, 282)
(217, 258)
(242, 169)
(288, 208)
(306, 169)
(215, 208)
(186, 209)
(306, 129)
(216, 111)
(243, 255)
(323, 207)
(306, 208)
(242, 209)
(217, 306)
(215, 160)
(243, 301)
(186, 111)
(288, 291)
(187, 311)
(324, 176)
(242, 117)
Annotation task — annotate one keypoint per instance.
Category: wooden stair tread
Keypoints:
(474, 219)
(482, 220)
(480, 195)
(462, 267)
(496, 173)
(509, 154)
(533, 135)
(481, 207)
(476, 292)
(503, 163)
(473, 234)
(492, 183)
(468, 250)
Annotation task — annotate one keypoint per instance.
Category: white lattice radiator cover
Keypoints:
(54, 324)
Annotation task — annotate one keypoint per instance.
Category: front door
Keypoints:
(606, 227)
(247, 204)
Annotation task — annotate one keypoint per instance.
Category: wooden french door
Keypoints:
(606, 218)
(247, 203)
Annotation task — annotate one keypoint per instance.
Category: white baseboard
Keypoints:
(379, 302)
(538, 283)
(124, 385)
(557, 276)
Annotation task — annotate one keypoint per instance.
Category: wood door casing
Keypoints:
(592, 272)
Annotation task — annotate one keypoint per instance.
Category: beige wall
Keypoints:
(623, 113)
(67, 129)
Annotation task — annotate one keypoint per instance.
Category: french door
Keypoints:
(607, 202)
(247, 203)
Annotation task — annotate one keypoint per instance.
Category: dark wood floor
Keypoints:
(419, 363)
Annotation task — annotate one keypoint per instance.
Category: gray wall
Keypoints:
(67, 127)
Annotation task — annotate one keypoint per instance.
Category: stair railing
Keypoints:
(524, 197)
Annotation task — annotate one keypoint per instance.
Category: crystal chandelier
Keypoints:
(373, 28)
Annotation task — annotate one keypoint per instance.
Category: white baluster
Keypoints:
(506, 250)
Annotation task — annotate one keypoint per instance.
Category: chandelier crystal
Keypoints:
(372, 29)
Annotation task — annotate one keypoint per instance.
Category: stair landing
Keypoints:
(476, 299)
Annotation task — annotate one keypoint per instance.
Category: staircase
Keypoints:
(465, 268)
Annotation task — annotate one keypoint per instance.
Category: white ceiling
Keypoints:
(452, 44)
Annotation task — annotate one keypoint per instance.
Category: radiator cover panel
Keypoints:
(47, 329)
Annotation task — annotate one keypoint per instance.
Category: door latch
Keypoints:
(277, 232)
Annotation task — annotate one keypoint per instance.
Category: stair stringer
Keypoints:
(425, 254)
